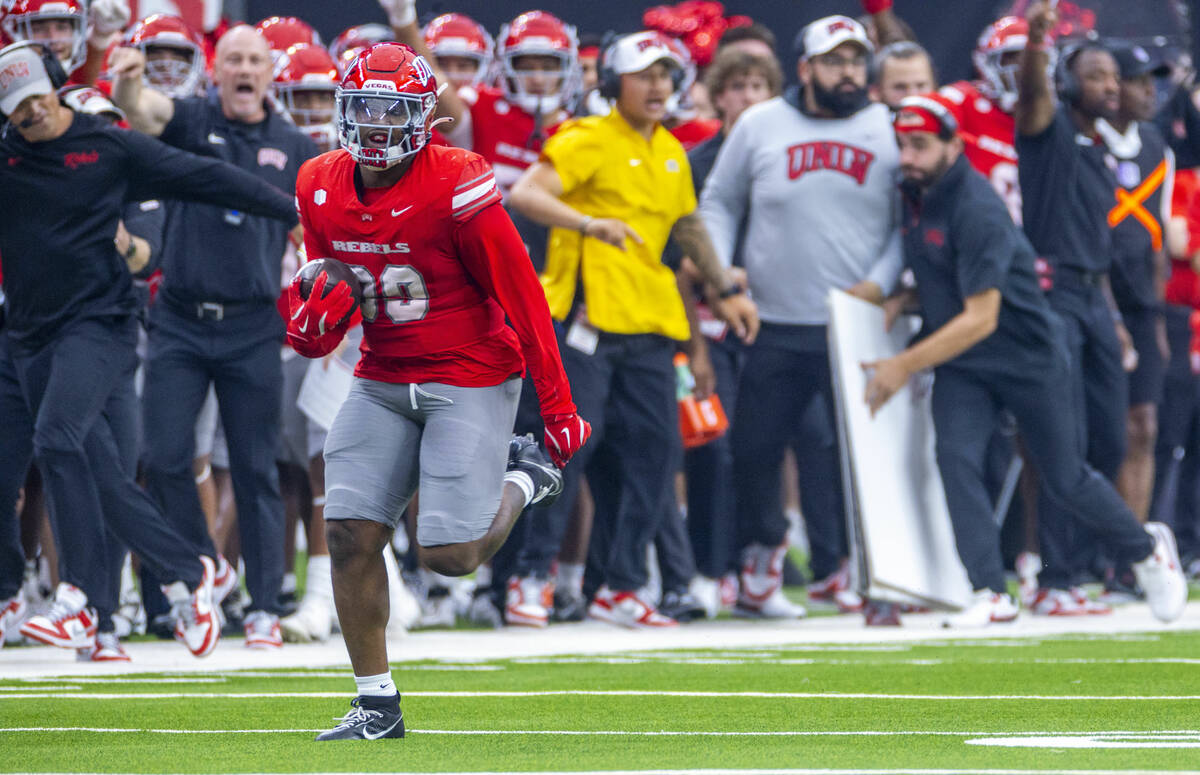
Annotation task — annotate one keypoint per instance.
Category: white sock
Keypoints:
(522, 480)
(177, 593)
(570, 576)
(375, 685)
(318, 582)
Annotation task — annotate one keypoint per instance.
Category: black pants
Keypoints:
(1177, 451)
(626, 390)
(239, 355)
(1099, 387)
(965, 411)
(709, 470)
(78, 388)
(16, 453)
(778, 388)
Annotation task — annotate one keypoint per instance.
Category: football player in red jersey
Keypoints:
(78, 32)
(283, 32)
(439, 266)
(175, 62)
(305, 79)
(464, 49)
(984, 108)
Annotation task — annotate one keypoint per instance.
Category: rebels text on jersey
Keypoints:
(988, 135)
(439, 266)
(502, 133)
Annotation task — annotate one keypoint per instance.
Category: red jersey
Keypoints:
(989, 137)
(440, 266)
(502, 133)
(695, 131)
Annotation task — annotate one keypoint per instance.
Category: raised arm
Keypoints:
(1035, 98)
(402, 16)
(148, 110)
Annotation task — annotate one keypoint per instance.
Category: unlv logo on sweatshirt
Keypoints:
(829, 155)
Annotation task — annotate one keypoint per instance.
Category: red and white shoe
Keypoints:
(528, 601)
(12, 613)
(196, 620)
(1161, 575)
(224, 580)
(986, 607)
(106, 648)
(1057, 602)
(776, 606)
(1090, 607)
(68, 624)
(1028, 566)
(262, 631)
(626, 609)
(835, 588)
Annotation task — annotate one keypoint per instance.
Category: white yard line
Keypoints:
(614, 693)
(1165, 734)
(777, 771)
(830, 633)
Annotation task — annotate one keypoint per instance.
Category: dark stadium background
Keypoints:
(948, 28)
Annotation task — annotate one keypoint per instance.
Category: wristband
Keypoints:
(582, 227)
(732, 290)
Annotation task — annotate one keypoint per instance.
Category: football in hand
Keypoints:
(338, 272)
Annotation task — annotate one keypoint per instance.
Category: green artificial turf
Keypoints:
(1130, 667)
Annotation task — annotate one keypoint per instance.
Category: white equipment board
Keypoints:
(899, 524)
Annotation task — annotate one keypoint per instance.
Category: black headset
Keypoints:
(947, 123)
(609, 80)
(54, 69)
(1066, 82)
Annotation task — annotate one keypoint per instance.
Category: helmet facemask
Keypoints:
(381, 128)
(174, 77)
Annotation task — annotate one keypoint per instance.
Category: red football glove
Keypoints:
(314, 328)
(876, 6)
(565, 434)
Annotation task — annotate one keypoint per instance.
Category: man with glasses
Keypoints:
(812, 174)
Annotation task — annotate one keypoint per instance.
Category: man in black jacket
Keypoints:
(994, 343)
(70, 331)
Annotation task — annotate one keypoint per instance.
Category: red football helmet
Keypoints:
(357, 39)
(305, 81)
(538, 33)
(385, 105)
(59, 25)
(1004, 36)
(180, 70)
(458, 35)
(283, 32)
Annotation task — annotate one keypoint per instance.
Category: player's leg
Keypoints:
(16, 453)
(371, 473)
(475, 478)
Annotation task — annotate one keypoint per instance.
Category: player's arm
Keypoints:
(148, 110)
(308, 321)
(492, 251)
(1035, 96)
(975, 323)
(731, 304)
(402, 16)
(157, 170)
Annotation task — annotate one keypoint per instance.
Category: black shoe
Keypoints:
(371, 718)
(681, 606)
(524, 454)
(569, 607)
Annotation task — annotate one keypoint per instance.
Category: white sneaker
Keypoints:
(775, 606)
(1028, 566)
(313, 621)
(262, 631)
(1161, 575)
(986, 607)
(69, 623)
(196, 624)
(12, 613)
(708, 592)
(528, 601)
(225, 579)
(627, 609)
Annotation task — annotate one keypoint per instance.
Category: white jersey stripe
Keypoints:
(467, 197)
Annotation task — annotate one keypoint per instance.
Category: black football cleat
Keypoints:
(524, 454)
(369, 721)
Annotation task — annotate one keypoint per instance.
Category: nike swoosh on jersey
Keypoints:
(375, 736)
(401, 211)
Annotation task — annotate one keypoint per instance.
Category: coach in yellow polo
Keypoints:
(613, 188)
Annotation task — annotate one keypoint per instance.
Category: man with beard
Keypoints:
(812, 174)
(1067, 185)
(995, 343)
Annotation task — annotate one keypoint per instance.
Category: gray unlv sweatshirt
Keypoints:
(821, 203)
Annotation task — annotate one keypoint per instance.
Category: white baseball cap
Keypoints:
(634, 53)
(22, 74)
(824, 35)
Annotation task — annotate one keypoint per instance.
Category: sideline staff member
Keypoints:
(995, 344)
(613, 188)
(217, 320)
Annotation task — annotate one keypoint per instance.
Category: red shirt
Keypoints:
(503, 133)
(440, 266)
(989, 136)
(692, 133)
